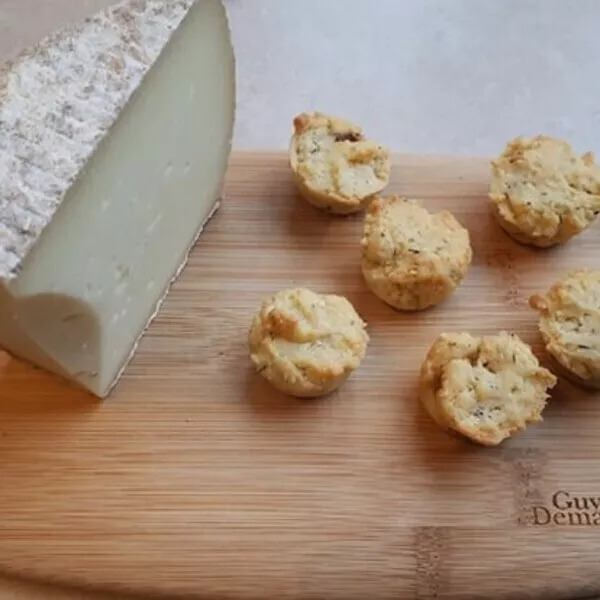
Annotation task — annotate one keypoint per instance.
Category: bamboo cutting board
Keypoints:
(196, 479)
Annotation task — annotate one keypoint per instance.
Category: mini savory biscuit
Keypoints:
(542, 192)
(307, 344)
(570, 325)
(413, 259)
(485, 389)
(335, 168)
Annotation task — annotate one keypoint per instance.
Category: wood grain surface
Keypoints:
(195, 479)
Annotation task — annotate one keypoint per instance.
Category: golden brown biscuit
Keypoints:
(413, 259)
(542, 192)
(335, 167)
(307, 344)
(486, 389)
(570, 325)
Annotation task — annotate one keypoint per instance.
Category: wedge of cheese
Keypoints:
(114, 139)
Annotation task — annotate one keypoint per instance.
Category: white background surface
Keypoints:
(425, 76)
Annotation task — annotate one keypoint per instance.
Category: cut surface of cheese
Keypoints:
(114, 140)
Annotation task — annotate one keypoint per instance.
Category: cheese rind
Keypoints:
(103, 243)
(58, 101)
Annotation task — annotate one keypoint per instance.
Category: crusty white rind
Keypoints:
(57, 102)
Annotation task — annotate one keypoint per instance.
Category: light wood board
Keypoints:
(196, 479)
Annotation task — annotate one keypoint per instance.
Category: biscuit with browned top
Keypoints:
(307, 344)
(570, 325)
(335, 168)
(486, 389)
(413, 259)
(543, 193)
